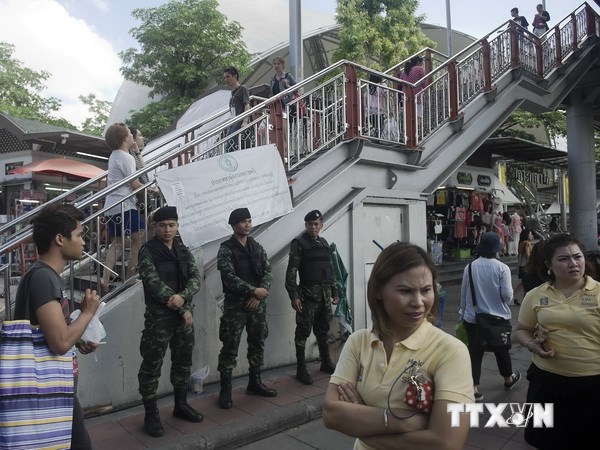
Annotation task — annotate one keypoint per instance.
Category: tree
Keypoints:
(157, 117)
(521, 124)
(20, 90)
(184, 47)
(379, 33)
(99, 109)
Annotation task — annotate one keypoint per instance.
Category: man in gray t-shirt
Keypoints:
(58, 237)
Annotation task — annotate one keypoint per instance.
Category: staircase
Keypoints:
(450, 272)
(368, 187)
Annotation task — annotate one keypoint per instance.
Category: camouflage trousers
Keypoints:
(233, 321)
(315, 316)
(162, 329)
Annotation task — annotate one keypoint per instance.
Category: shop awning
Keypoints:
(61, 167)
(517, 149)
(555, 208)
(502, 192)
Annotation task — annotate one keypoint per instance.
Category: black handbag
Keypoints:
(492, 331)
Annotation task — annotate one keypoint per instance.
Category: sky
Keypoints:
(78, 41)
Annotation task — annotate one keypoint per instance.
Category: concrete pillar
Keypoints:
(562, 198)
(582, 173)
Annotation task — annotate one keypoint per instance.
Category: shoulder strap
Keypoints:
(26, 280)
(473, 297)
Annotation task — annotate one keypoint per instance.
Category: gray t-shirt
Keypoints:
(120, 165)
(40, 285)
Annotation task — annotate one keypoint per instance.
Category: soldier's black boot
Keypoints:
(256, 386)
(327, 365)
(301, 372)
(182, 409)
(225, 400)
(152, 418)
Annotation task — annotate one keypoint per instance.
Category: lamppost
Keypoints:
(449, 28)
(296, 54)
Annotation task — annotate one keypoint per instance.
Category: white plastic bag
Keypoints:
(197, 379)
(95, 331)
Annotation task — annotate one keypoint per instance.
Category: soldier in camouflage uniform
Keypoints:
(312, 299)
(246, 276)
(171, 278)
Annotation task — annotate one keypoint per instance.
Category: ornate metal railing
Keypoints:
(381, 115)
(320, 118)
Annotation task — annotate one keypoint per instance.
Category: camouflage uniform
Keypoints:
(316, 301)
(163, 326)
(235, 317)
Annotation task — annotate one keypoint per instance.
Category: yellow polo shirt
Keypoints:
(574, 325)
(439, 355)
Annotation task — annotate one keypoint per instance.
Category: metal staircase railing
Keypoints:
(329, 113)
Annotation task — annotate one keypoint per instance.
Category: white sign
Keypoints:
(205, 192)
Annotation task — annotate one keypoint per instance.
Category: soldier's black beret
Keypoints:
(165, 213)
(313, 215)
(237, 215)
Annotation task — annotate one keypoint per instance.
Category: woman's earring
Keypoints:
(549, 272)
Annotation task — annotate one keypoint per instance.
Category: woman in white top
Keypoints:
(493, 290)
(121, 165)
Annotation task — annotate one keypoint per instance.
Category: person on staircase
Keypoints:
(239, 103)
(312, 298)
(121, 165)
(171, 278)
(540, 21)
(246, 276)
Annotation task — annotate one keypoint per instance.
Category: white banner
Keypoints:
(205, 192)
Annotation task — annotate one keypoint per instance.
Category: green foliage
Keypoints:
(184, 47)
(520, 123)
(99, 110)
(157, 117)
(20, 90)
(379, 34)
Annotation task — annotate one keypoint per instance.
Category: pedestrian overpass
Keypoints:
(370, 184)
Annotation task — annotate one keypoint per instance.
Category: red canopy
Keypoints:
(60, 167)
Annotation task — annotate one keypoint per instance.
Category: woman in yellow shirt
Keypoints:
(393, 383)
(559, 322)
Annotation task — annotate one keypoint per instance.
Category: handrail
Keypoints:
(164, 158)
(156, 162)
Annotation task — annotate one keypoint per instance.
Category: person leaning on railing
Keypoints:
(121, 165)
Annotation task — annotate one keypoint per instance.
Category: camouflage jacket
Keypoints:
(156, 292)
(242, 289)
(315, 291)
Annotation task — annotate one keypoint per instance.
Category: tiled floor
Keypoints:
(127, 431)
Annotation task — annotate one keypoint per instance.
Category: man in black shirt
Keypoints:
(41, 298)
(519, 19)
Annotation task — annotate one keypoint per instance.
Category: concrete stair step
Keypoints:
(450, 272)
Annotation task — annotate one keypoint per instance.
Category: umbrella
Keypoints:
(60, 167)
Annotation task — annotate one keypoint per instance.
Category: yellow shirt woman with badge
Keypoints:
(559, 322)
(392, 383)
